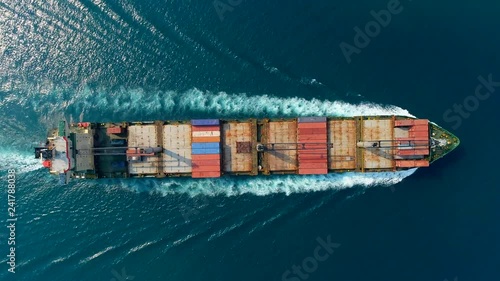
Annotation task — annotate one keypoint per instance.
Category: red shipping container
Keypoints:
(404, 123)
(405, 163)
(313, 145)
(313, 165)
(421, 122)
(419, 128)
(305, 156)
(308, 131)
(114, 130)
(317, 135)
(419, 135)
(205, 128)
(312, 160)
(409, 152)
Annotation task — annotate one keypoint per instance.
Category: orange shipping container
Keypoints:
(204, 128)
(206, 169)
(421, 163)
(311, 126)
(405, 163)
(313, 171)
(199, 163)
(421, 122)
(205, 157)
(205, 139)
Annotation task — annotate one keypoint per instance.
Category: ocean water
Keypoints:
(102, 60)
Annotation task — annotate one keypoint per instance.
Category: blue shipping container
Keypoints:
(203, 145)
(312, 119)
(204, 122)
(198, 151)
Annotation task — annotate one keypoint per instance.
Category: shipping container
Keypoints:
(205, 139)
(404, 123)
(313, 139)
(213, 168)
(195, 151)
(205, 128)
(206, 157)
(312, 165)
(312, 145)
(409, 152)
(421, 163)
(204, 122)
(199, 163)
(204, 145)
(419, 128)
(312, 126)
(311, 131)
(114, 130)
(306, 156)
(418, 135)
(313, 171)
(117, 142)
(311, 119)
(206, 134)
(421, 122)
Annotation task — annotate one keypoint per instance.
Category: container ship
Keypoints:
(211, 148)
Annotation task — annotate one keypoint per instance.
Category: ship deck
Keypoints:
(211, 148)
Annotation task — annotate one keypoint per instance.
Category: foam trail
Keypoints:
(261, 186)
(141, 104)
(21, 162)
(127, 104)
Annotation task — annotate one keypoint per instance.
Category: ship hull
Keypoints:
(211, 148)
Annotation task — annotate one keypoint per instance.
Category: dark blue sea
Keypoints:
(114, 60)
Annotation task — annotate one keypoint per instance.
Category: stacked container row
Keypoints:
(418, 136)
(312, 145)
(205, 148)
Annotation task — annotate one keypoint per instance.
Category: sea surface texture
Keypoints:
(114, 60)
